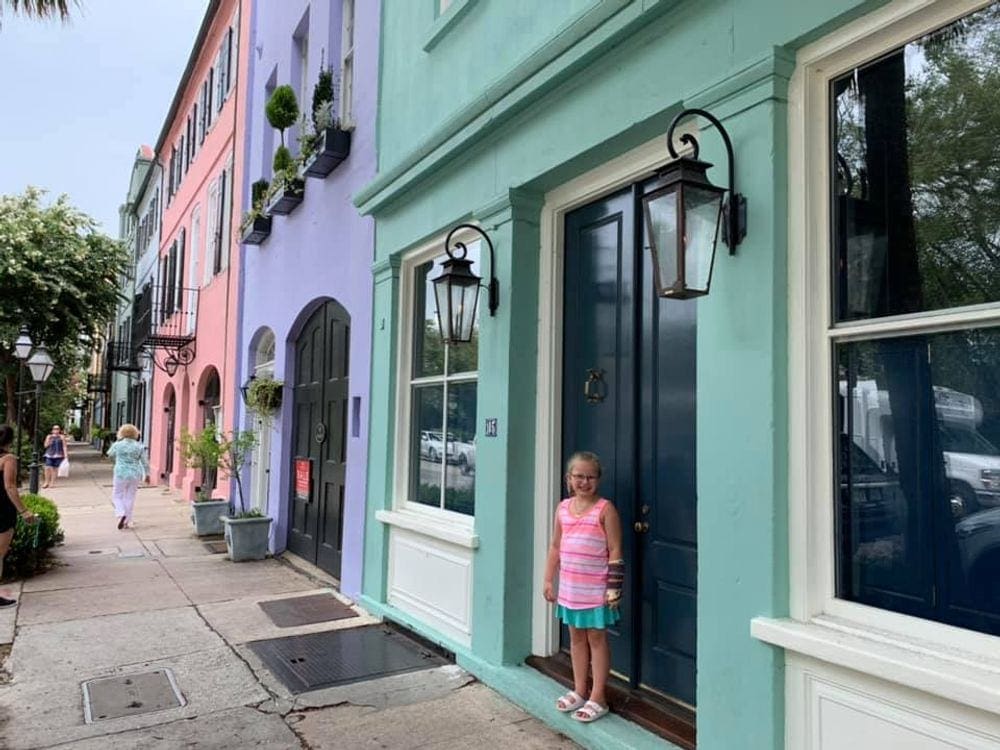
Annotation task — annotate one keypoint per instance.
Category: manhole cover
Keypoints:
(339, 657)
(216, 548)
(305, 610)
(130, 694)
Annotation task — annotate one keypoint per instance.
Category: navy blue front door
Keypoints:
(629, 396)
(319, 429)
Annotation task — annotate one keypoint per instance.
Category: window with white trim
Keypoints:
(347, 66)
(443, 386)
(914, 337)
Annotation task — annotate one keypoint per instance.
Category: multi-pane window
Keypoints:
(443, 387)
(347, 65)
(916, 334)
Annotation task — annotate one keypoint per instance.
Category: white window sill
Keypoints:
(452, 533)
(949, 673)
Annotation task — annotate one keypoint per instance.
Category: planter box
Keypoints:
(257, 231)
(207, 516)
(333, 147)
(246, 538)
(288, 198)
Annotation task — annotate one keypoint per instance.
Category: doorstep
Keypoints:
(662, 717)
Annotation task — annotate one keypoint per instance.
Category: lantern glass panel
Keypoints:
(661, 224)
(702, 211)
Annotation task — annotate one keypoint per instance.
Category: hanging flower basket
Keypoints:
(264, 396)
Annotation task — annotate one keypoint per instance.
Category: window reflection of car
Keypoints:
(972, 464)
(978, 537)
(877, 506)
(463, 454)
(431, 445)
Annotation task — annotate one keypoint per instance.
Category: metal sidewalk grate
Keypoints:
(130, 694)
(340, 657)
(306, 610)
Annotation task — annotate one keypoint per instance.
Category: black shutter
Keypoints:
(219, 224)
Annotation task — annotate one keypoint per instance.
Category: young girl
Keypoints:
(587, 549)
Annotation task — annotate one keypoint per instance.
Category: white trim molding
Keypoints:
(949, 662)
(635, 165)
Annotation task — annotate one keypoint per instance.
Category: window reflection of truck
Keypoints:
(972, 463)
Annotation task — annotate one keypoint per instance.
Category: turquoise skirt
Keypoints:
(596, 617)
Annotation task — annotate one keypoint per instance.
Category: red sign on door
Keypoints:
(303, 478)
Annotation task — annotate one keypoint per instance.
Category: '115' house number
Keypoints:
(491, 427)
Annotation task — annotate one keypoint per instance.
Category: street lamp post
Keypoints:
(22, 350)
(41, 366)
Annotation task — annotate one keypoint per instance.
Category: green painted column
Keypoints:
(742, 432)
(381, 423)
(502, 583)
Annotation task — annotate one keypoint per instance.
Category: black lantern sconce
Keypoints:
(245, 390)
(456, 289)
(684, 216)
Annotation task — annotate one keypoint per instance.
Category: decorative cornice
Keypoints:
(568, 49)
(387, 268)
(517, 204)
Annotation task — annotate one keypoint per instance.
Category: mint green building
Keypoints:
(802, 458)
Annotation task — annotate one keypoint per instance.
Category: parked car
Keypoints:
(431, 446)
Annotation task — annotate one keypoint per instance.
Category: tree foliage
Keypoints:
(282, 109)
(59, 277)
(39, 8)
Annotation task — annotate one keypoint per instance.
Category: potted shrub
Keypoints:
(287, 188)
(246, 531)
(256, 224)
(204, 451)
(327, 145)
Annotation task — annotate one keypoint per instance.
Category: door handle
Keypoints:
(594, 387)
(641, 527)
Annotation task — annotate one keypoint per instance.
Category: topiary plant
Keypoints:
(283, 161)
(282, 109)
(322, 101)
(258, 193)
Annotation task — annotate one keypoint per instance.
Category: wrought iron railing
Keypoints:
(165, 317)
(122, 356)
(98, 382)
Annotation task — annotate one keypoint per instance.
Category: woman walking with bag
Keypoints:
(55, 454)
(131, 467)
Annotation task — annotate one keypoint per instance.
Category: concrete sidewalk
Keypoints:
(155, 597)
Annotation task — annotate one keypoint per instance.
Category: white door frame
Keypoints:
(631, 167)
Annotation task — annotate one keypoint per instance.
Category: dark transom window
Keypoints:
(916, 229)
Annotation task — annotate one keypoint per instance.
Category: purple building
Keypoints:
(306, 298)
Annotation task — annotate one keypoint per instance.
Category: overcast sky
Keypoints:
(80, 98)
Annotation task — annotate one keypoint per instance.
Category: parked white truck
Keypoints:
(972, 463)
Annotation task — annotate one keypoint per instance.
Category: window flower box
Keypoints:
(287, 197)
(256, 231)
(332, 147)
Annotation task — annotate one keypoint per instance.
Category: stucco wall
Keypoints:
(530, 110)
(321, 251)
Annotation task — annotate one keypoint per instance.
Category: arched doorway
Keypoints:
(260, 460)
(171, 409)
(319, 430)
(210, 404)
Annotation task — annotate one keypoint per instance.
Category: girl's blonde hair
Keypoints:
(585, 457)
(128, 431)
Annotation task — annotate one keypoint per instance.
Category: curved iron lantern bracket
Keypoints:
(734, 229)
(493, 288)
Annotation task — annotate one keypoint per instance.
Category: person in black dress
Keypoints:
(11, 505)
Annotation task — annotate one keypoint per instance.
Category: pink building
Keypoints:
(187, 314)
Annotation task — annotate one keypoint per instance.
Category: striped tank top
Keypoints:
(583, 557)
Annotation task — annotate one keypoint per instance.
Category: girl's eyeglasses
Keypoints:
(583, 477)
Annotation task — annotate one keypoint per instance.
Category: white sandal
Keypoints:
(591, 711)
(570, 702)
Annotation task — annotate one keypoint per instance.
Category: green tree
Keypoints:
(59, 276)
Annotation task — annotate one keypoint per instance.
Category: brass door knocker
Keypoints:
(594, 389)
